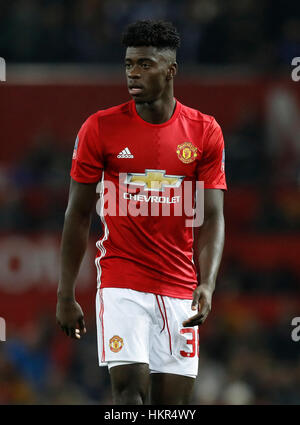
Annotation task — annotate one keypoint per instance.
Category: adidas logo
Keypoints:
(125, 153)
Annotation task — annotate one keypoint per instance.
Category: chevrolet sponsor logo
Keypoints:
(154, 180)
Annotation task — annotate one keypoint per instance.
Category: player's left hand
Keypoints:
(202, 297)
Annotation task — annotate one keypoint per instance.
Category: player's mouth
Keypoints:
(135, 90)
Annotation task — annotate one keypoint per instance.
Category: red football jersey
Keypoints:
(148, 174)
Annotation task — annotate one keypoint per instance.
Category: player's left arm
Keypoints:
(208, 249)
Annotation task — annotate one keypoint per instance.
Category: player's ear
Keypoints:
(172, 71)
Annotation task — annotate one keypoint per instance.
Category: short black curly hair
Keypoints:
(160, 34)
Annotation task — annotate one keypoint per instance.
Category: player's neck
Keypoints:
(157, 112)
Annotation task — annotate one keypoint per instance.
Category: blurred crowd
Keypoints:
(246, 356)
(246, 360)
(243, 360)
(256, 33)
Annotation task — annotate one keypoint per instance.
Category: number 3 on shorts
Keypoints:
(192, 341)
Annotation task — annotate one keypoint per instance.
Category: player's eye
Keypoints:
(127, 65)
(145, 65)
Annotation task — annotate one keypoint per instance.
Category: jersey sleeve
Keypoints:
(87, 162)
(211, 168)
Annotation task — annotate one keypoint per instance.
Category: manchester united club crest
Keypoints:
(116, 343)
(186, 152)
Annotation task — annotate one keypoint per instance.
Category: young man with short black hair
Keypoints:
(156, 275)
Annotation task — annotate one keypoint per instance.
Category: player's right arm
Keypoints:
(82, 198)
(87, 167)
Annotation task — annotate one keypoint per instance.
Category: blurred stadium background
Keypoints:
(64, 62)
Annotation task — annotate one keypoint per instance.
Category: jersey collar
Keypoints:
(164, 124)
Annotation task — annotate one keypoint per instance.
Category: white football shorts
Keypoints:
(140, 327)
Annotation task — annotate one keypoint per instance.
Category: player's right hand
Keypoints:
(69, 317)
